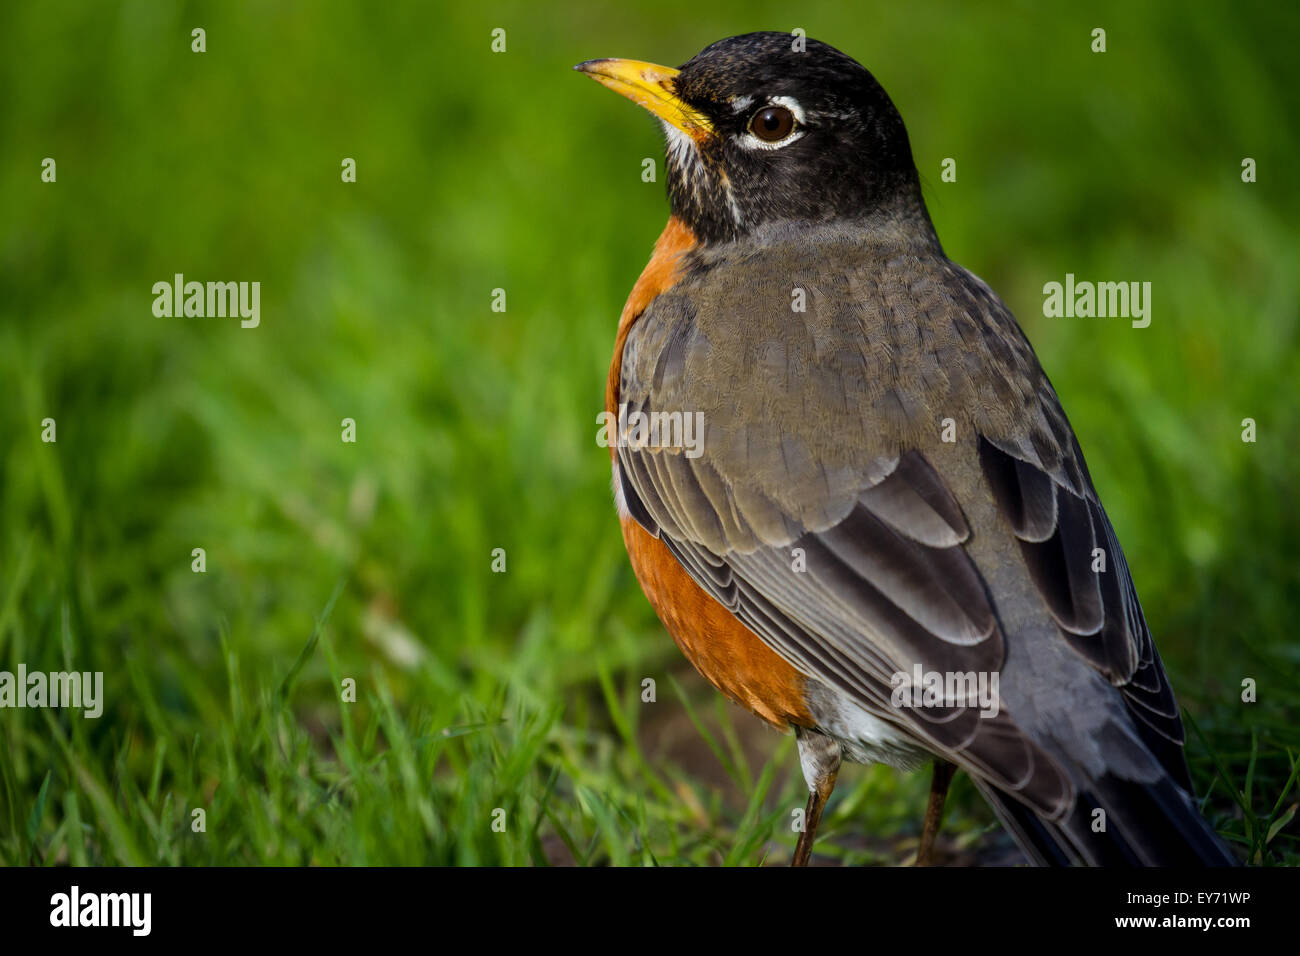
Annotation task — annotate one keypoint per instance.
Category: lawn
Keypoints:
(425, 646)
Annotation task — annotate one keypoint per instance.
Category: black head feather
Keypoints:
(847, 157)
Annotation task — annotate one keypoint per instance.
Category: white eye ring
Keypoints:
(750, 141)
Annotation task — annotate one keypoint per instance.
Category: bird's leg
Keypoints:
(819, 756)
(943, 772)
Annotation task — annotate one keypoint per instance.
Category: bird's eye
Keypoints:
(772, 124)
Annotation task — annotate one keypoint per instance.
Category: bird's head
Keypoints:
(770, 127)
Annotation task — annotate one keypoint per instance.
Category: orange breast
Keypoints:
(728, 654)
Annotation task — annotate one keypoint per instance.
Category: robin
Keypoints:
(888, 540)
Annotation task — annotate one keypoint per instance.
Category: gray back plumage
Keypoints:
(824, 431)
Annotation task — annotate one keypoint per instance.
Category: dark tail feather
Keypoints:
(1145, 825)
(1033, 836)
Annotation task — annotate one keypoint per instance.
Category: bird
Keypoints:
(887, 541)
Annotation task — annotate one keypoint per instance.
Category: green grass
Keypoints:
(521, 691)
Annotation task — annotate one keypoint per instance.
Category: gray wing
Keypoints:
(823, 433)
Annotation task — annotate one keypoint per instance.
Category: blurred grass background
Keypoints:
(475, 429)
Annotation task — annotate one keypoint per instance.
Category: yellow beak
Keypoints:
(651, 86)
